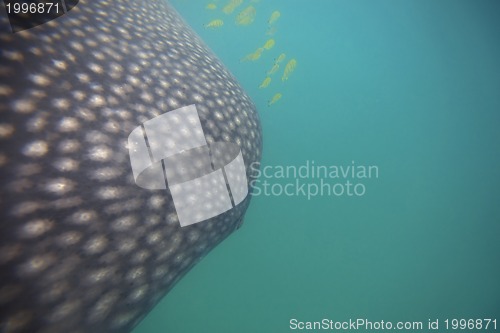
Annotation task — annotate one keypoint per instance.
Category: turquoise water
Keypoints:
(411, 87)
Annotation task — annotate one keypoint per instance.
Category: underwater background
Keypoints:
(411, 87)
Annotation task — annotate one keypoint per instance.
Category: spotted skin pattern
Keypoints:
(82, 247)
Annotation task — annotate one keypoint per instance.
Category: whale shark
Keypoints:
(82, 247)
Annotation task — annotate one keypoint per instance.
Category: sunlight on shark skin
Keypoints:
(82, 248)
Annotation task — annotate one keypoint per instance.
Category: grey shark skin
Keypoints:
(82, 247)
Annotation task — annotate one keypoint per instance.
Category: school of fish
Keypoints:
(245, 17)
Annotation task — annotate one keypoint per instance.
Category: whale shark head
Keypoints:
(87, 244)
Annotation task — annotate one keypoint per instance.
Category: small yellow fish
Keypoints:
(231, 6)
(211, 6)
(254, 56)
(269, 44)
(289, 68)
(275, 98)
(246, 16)
(265, 83)
(274, 17)
(214, 24)
(280, 58)
(274, 69)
